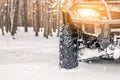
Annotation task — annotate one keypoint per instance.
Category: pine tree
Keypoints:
(24, 15)
(15, 17)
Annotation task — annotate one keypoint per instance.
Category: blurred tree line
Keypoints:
(42, 15)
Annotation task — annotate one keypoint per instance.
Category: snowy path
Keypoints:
(35, 58)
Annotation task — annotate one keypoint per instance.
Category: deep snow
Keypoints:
(26, 57)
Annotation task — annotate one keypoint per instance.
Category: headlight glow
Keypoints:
(88, 13)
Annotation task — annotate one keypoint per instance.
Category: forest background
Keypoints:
(42, 15)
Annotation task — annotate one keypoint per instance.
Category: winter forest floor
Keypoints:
(26, 57)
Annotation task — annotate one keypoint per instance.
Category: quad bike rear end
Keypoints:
(91, 29)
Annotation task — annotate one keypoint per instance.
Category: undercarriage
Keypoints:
(91, 47)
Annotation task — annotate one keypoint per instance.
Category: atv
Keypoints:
(91, 29)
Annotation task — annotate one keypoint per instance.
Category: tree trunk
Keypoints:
(58, 33)
(24, 16)
(15, 19)
(46, 20)
(7, 16)
(37, 18)
(2, 16)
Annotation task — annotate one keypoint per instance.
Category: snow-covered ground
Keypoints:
(26, 57)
